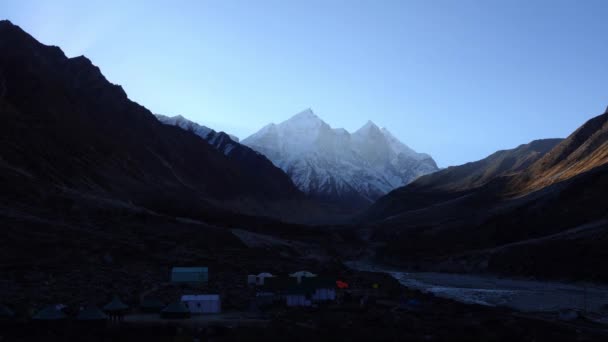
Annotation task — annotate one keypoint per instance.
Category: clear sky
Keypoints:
(457, 79)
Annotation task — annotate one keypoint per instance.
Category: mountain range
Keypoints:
(67, 131)
(77, 153)
(537, 210)
(334, 165)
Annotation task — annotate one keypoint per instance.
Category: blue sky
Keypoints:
(456, 79)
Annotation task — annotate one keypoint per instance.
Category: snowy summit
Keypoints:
(333, 164)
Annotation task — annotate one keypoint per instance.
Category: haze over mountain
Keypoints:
(335, 165)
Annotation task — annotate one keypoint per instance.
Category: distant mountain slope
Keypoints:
(547, 220)
(334, 165)
(66, 128)
(583, 150)
(246, 158)
(456, 181)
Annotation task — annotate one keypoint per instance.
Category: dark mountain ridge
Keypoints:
(66, 127)
(544, 215)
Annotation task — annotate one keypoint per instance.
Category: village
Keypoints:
(182, 301)
(301, 305)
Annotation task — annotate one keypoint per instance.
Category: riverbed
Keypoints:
(518, 294)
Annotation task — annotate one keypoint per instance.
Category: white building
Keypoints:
(260, 278)
(202, 304)
(297, 298)
(302, 274)
(324, 294)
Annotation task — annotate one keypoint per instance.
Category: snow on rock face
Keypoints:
(220, 140)
(335, 164)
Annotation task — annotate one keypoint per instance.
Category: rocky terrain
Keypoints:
(542, 215)
(99, 198)
(334, 165)
(67, 129)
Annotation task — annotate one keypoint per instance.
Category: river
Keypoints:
(521, 295)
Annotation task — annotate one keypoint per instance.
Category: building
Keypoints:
(261, 278)
(189, 275)
(302, 274)
(297, 296)
(116, 309)
(203, 304)
(322, 289)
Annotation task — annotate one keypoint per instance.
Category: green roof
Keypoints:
(49, 313)
(91, 313)
(115, 305)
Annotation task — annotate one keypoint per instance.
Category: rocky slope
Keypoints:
(548, 219)
(455, 181)
(246, 158)
(335, 165)
(66, 129)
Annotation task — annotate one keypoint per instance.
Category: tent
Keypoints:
(116, 308)
(341, 284)
(175, 310)
(91, 313)
(152, 305)
(116, 305)
(199, 304)
(49, 313)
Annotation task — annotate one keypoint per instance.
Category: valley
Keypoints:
(101, 200)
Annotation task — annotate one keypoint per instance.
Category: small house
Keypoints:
(189, 275)
(297, 296)
(302, 274)
(203, 304)
(115, 309)
(322, 289)
(261, 278)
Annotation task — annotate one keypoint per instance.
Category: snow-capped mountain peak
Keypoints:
(332, 163)
(369, 127)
